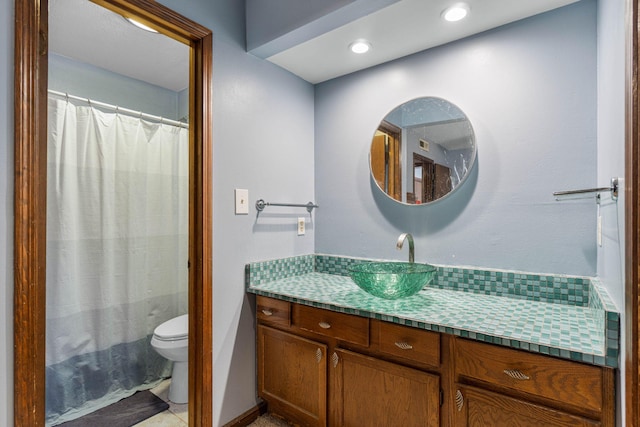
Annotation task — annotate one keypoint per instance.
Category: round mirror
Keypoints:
(422, 151)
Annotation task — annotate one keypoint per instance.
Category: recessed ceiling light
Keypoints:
(456, 12)
(360, 46)
(140, 25)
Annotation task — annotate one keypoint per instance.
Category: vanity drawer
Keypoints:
(343, 327)
(408, 343)
(564, 381)
(273, 311)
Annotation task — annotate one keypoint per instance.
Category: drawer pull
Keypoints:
(334, 359)
(318, 355)
(267, 312)
(324, 325)
(459, 400)
(516, 375)
(404, 345)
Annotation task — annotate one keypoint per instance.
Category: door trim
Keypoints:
(30, 106)
(632, 220)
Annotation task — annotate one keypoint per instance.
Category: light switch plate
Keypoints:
(242, 201)
(301, 225)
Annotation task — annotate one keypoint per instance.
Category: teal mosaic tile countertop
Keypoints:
(577, 322)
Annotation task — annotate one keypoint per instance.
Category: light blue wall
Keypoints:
(87, 81)
(263, 141)
(6, 212)
(611, 145)
(272, 158)
(183, 105)
(529, 90)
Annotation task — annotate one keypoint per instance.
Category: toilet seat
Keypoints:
(175, 329)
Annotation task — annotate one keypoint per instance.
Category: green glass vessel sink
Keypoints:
(391, 280)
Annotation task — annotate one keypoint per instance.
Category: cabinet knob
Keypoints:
(404, 345)
(318, 355)
(516, 375)
(459, 400)
(324, 325)
(267, 312)
(334, 359)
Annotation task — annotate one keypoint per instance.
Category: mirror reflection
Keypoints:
(422, 151)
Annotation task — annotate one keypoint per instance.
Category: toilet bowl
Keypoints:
(171, 341)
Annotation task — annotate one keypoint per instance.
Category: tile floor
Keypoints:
(175, 416)
(268, 420)
(178, 415)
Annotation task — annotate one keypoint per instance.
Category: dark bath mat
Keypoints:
(124, 413)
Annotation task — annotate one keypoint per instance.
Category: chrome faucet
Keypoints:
(401, 239)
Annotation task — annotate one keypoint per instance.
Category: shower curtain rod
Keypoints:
(121, 109)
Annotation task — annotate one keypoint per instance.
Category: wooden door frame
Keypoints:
(632, 218)
(426, 163)
(30, 80)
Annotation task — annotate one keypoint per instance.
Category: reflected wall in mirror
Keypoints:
(422, 151)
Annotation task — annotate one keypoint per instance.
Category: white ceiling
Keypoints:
(400, 29)
(82, 30)
(86, 32)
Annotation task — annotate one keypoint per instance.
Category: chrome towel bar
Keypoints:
(613, 188)
(261, 204)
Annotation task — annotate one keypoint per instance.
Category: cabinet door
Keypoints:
(480, 408)
(370, 392)
(292, 376)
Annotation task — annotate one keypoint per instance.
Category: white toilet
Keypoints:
(171, 340)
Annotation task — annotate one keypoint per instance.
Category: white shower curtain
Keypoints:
(117, 252)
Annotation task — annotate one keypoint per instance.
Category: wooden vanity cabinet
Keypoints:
(403, 344)
(331, 325)
(273, 312)
(501, 386)
(317, 368)
(292, 376)
(368, 391)
(481, 408)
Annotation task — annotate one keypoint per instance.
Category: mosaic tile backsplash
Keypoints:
(565, 316)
